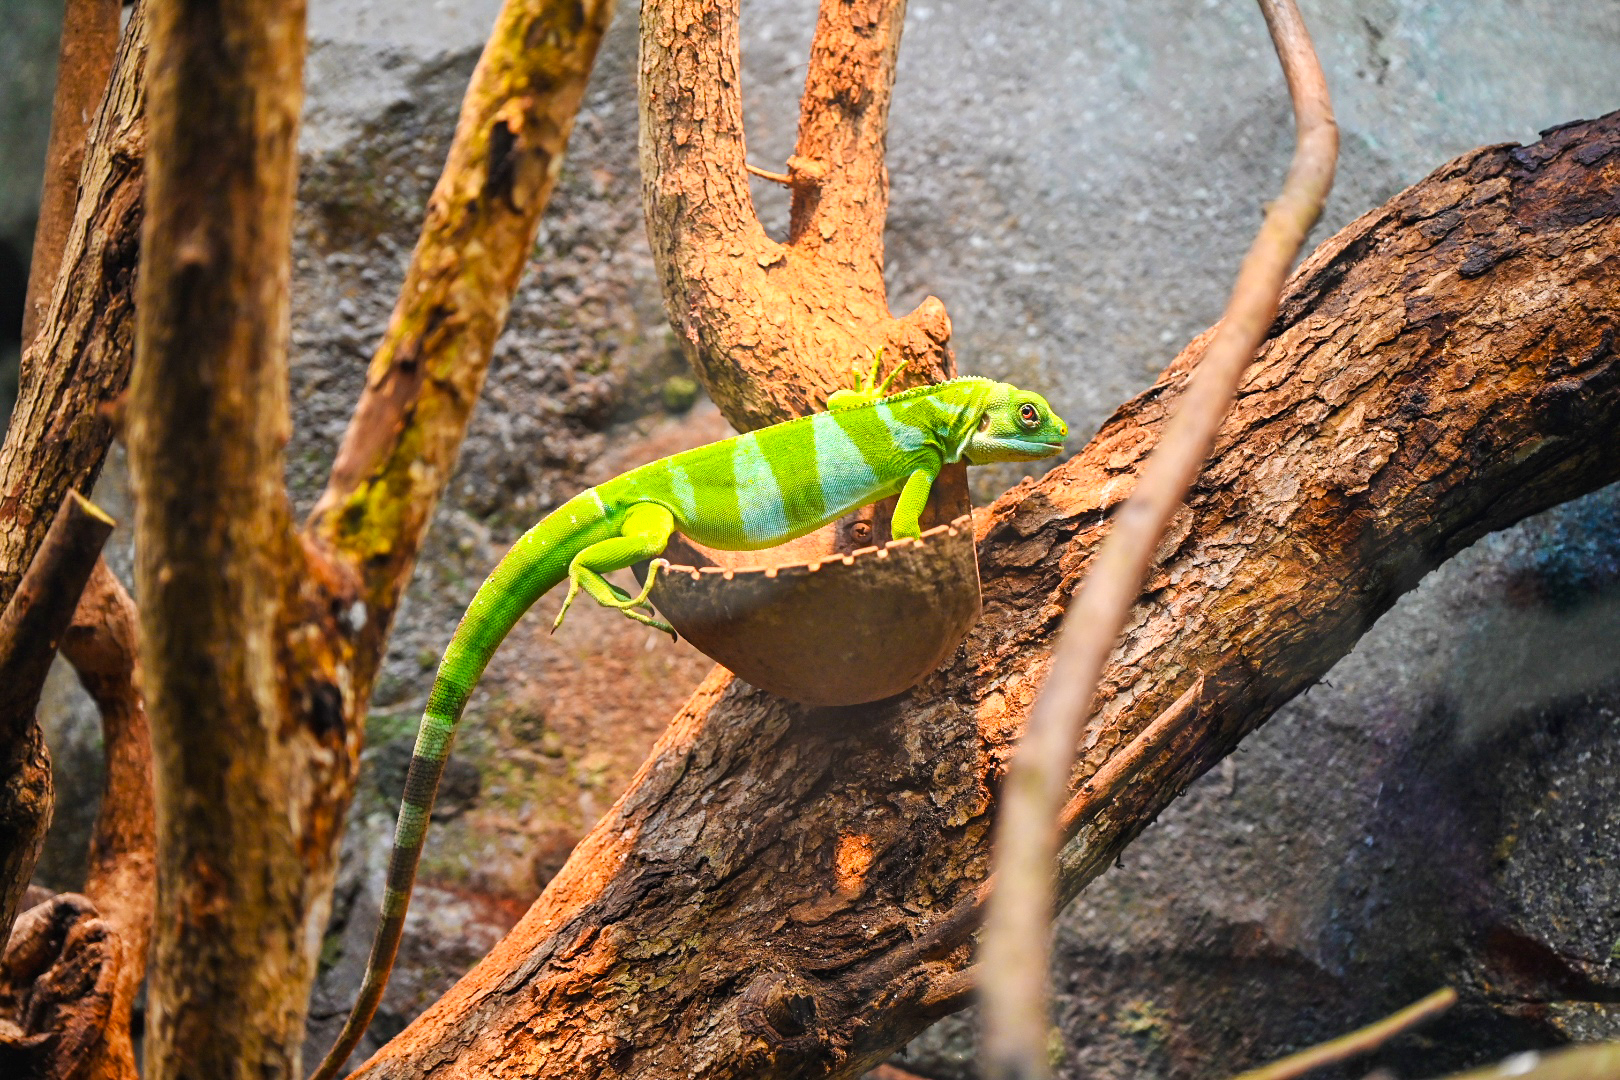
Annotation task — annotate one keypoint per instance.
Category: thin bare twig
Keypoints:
(89, 40)
(774, 177)
(1355, 1043)
(952, 988)
(1017, 930)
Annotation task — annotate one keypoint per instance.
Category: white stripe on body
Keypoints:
(759, 499)
(682, 494)
(907, 437)
(846, 478)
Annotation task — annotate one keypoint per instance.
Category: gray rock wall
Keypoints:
(1077, 182)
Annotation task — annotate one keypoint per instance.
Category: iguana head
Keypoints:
(1016, 425)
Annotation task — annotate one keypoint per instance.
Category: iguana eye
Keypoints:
(984, 421)
(1029, 415)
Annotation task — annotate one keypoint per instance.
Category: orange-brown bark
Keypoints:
(218, 569)
(89, 41)
(31, 625)
(77, 366)
(330, 591)
(1441, 368)
(1015, 948)
(773, 328)
(102, 645)
(427, 372)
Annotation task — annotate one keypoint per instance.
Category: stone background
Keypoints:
(1076, 182)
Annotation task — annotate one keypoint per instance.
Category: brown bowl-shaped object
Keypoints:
(823, 626)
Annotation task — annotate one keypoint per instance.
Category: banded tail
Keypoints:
(537, 563)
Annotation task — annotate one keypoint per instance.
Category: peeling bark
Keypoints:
(77, 367)
(771, 328)
(1440, 369)
(89, 42)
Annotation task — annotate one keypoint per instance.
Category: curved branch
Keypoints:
(1016, 950)
(1443, 367)
(103, 646)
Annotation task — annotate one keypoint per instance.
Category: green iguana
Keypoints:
(751, 491)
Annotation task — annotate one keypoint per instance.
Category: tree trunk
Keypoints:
(788, 892)
(78, 365)
(218, 566)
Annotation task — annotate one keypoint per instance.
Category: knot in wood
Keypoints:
(777, 1007)
(805, 172)
(56, 988)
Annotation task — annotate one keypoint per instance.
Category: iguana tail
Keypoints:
(537, 562)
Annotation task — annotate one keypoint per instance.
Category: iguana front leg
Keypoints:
(907, 520)
(644, 534)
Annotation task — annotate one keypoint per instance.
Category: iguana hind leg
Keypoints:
(643, 535)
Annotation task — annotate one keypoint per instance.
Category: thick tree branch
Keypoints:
(426, 374)
(770, 328)
(1015, 951)
(217, 567)
(89, 40)
(77, 366)
(841, 187)
(1441, 368)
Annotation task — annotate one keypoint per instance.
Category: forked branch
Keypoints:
(771, 328)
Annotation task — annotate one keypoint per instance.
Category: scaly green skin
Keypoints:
(751, 491)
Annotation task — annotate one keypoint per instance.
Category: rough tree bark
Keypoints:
(89, 42)
(102, 646)
(773, 328)
(217, 566)
(782, 891)
(31, 625)
(479, 235)
(77, 366)
(70, 972)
